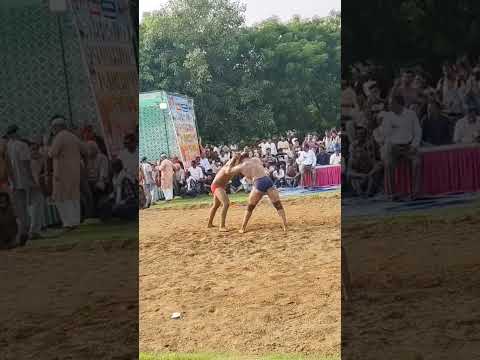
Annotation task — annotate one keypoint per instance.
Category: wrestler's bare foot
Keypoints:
(285, 229)
(242, 231)
(223, 229)
(209, 226)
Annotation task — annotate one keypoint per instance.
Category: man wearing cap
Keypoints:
(467, 129)
(21, 179)
(66, 151)
(166, 180)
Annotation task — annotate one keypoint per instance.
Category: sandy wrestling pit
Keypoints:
(254, 293)
(416, 285)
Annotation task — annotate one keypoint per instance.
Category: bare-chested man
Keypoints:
(252, 169)
(220, 197)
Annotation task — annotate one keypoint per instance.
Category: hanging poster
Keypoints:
(184, 123)
(106, 39)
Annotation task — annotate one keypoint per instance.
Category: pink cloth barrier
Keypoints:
(329, 175)
(444, 171)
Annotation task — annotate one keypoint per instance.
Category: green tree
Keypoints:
(246, 82)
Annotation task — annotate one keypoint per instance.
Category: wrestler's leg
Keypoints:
(221, 194)
(254, 198)
(274, 197)
(213, 210)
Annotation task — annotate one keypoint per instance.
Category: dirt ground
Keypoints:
(416, 289)
(69, 301)
(254, 293)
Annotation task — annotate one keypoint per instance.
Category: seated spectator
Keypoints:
(282, 157)
(467, 129)
(336, 157)
(193, 186)
(269, 158)
(196, 172)
(323, 158)
(216, 166)
(123, 202)
(224, 156)
(292, 175)
(205, 164)
(364, 166)
(436, 126)
(279, 176)
(246, 185)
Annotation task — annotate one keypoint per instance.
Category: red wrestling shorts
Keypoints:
(214, 187)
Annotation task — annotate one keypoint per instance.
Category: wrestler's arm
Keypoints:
(235, 170)
(231, 165)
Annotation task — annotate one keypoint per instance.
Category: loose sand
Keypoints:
(416, 289)
(69, 301)
(254, 293)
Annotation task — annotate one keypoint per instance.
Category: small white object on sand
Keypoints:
(176, 316)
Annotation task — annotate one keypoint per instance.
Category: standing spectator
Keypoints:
(5, 169)
(273, 147)
(402, 136)
(98, 172)
(166, 169)
(148, 181)
(129, 155)
(21, 179)
(37, 198)
(307, 162)
(283, 144)
(66, 151)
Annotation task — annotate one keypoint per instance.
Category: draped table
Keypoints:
(327, 175)
(444, 170)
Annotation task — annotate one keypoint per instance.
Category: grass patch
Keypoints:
(176, 356)
(238, 198)
(448, 214)
(112, 231)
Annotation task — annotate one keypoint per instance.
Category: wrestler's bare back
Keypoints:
(252, 169)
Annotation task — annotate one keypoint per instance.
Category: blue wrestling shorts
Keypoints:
(263, 184)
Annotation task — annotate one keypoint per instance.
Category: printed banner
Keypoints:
(106, 40)
(184, 122)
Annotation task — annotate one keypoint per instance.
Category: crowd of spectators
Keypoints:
(389, 119)
(62, 178)
(287, 159)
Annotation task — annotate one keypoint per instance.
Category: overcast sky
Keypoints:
(258, 10)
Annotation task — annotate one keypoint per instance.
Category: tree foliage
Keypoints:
(246, 82)
(402, 32)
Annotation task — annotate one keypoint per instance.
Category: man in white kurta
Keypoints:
(66, 150)
(167, 172)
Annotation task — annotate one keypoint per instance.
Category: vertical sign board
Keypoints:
(106, 39)
(183, 117)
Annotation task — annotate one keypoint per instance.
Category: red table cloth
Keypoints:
(444, 170)
(325, 176)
